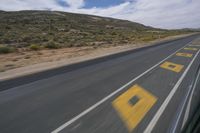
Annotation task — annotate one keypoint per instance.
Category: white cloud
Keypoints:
(75, 3)
(13, 5)
(166, 13)
(110, 11)
(157, 13)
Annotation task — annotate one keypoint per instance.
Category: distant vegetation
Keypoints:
(35, 30)
(6, 49)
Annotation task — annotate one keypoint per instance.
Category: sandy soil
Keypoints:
(23, 63)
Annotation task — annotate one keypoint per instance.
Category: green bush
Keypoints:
(34, 47)
(6, 49)
(52, 45)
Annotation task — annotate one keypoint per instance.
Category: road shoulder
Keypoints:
(89, 55)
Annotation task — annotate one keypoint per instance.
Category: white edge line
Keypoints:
(189, 103)
(109, 96)
(181, 111)
(167, 100)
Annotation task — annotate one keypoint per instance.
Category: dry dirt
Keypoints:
(23, 63)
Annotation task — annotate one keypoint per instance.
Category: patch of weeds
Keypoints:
(52, 45)
(6, 49)
(34, 47)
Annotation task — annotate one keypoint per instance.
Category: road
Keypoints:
(135, 91)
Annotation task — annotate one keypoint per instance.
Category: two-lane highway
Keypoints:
(137, 91)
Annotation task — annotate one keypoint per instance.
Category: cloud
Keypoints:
(75, 3)
(15, 5)
(165, 13)
(157, 13)
(110, 11)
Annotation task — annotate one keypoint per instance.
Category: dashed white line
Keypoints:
(156, 117)
(111, 95)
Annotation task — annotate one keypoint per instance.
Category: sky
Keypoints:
(168, 14)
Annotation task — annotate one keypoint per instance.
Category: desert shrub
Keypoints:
(147, 38)
(113, 33)
(34, 47)
(7, 27)
(44, 39)
(68, 45)
(52, 45)
(1, 34)
(26, 38)
(36, 39)
(51, 33)
(6, 40)
(61, 41)
(6, 49)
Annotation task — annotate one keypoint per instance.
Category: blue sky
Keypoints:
(95, 3)
(102, 3)
(170, 14)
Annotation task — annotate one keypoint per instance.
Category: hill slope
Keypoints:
(59, 29)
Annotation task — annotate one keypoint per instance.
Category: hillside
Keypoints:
(49, 29)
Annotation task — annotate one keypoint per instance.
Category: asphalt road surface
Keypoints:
(135, 91)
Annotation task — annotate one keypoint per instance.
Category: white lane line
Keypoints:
(167, 100)
(173, 130)
(189, 102)
(109, 96)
